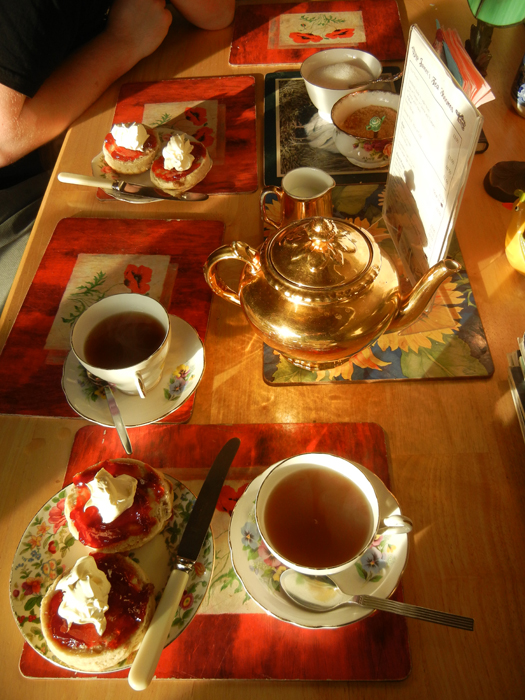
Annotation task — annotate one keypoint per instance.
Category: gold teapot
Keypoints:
(320, 290)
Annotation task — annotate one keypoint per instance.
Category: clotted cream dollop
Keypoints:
(85, 600)
(132, 136)
(177, 153)
(112, 495)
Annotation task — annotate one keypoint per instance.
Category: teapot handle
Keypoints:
(278, 192)
(236, 251)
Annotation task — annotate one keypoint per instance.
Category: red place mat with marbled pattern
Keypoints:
(290, 32)
(253, 645)
(85, 260)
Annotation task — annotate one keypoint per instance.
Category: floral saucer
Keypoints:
(47, 549)
(182, 373)
(377, 572)
(100, 168)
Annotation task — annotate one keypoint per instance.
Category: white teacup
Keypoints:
(323, 523)
(135, 379)
(331, 74)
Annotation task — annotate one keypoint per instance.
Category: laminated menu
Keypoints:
(436, 135)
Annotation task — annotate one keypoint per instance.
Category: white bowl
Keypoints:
(324, 98)
(364, 152)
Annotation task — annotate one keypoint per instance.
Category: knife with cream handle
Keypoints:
(145, 663)
(130, 188)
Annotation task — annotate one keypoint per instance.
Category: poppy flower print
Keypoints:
(137, 278)
(196, 115)
(341, 33)
(305, 37)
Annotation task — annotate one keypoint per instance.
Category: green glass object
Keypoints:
(498, 13)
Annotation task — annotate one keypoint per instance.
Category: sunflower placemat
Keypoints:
(86, 260)
(446, 342)
(289, 33)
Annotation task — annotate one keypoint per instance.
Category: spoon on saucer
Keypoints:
(114, 410)
(321, 594)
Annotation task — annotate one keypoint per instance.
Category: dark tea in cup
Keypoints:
(123, 340)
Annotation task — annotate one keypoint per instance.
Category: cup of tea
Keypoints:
(331, 74)
(318, 513)
(364, 127)
(304, 192)
(124, 339)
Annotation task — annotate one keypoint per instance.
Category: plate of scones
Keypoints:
(168, 159)
(91, 566)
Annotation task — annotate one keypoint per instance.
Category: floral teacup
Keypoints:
(374, 151)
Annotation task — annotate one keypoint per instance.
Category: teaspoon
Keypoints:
(114, 410)
(321, 594)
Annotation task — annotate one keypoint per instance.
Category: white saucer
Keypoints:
(182, 373)
(47, 549)
(259, 572)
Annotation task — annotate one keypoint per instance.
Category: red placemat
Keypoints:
(218, 111)
(253, 645)
(289, 33)
(87, 258)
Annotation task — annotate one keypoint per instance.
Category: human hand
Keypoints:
(139, 25)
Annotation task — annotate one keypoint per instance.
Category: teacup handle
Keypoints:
(236, 251)
(278, 192)
(395, 525)
(139, 383)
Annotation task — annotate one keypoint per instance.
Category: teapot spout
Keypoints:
(414, 303)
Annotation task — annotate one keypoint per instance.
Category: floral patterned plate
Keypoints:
(377, 572)
(47, 549)
(182, 373)
(100, 168)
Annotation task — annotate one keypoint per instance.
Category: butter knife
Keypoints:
(130, 188)
(147, 658)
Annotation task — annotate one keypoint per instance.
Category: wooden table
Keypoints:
(456, 451)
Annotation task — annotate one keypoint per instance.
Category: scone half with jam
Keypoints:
(97, 613)
(183, 162)
(118, 505)
(130, 148)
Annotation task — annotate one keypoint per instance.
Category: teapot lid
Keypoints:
(323, 254)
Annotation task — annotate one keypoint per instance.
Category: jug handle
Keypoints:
(278, 192)
(236, 251)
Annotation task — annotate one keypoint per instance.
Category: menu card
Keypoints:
(436, 134)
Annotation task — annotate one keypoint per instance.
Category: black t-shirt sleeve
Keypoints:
(37, 35)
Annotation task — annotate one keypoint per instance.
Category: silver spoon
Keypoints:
(383, 78)
(114, 410)
(321, 594)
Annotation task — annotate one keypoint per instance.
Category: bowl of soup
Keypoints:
(364, 127)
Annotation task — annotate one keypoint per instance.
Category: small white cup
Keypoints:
(395, 524)
(324, 98)
(139, 378)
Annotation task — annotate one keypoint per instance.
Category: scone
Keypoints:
(121, 152)
(122, 607)
(130, 523)
(192, 160)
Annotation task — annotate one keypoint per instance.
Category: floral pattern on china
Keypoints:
(47, 549)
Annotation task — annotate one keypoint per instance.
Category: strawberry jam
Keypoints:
(134, 521)
(127, 600)
(157, 167)
(128, 154)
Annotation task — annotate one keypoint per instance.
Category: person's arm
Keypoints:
(207, 14)
(135, 28)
